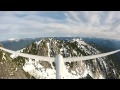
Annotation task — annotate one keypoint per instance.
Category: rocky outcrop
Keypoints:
(9, 69)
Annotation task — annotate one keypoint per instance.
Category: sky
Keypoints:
(31, 24)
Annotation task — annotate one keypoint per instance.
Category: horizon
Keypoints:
(32, 24)
(14, 39)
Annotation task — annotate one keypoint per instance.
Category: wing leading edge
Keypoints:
(52, 59)
(42, 58)
(70, 59)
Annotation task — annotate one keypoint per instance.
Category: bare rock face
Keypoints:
(9, 69)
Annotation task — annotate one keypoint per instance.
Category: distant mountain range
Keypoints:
(17, 44)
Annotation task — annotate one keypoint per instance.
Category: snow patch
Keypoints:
(13, 39)
(3, 57)
(13, 56)
(48, 45)
(114, 72)
(39, 72)
(65, 51)
(38, 42)
(85, 73)
(74, 52)
(101, 77)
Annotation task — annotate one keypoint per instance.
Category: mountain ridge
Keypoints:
(98, 68)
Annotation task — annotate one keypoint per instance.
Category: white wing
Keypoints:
(89, 57)
(42, 58)
(52, 59)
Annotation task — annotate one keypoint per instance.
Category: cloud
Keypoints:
(98, 24)
(19, 24)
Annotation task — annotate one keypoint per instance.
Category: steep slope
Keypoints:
(8, 68)
(97, 69)
(106, 45)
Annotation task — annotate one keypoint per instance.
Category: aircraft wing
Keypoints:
(71, 59)
(52, 59)
(42, 58)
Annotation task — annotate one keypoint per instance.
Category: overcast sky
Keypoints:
(27, 24)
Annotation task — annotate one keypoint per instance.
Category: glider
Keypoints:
(59, 60)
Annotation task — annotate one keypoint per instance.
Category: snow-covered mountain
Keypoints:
(13, 39)
(97, 69)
